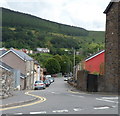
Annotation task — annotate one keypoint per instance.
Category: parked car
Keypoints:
(65, 78)
(47, 83)
(39, 85)
(51, 79)
(54, 75)
(47, 76)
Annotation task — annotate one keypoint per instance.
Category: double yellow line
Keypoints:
(41, 99)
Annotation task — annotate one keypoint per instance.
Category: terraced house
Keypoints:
(20, 61)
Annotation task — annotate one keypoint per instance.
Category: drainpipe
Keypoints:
(38, 72)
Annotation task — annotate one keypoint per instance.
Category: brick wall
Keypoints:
(112, 51)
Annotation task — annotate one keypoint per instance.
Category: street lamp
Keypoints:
(74, 64)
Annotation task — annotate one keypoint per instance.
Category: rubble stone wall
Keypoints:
(112, 52)
(6, 84)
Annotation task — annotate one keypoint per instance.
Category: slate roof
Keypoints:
(5, 66)
(108, 7)
(2, 52)
(20, 54)
(8, 68)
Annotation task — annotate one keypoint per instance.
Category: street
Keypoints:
(59, 99)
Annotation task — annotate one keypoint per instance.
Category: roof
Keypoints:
(20, 54)
(108, 7)
(5, 66)
(2, 52)
(36, 62)
(8, 68)
(100, 52)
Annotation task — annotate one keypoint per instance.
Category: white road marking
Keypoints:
(77, 109)
(52, 92)
(101, 108)
(107, 100)
(112, 98)
(18, 113)
(59, 111)
(114, 106)
(76, 96)
(42, 112)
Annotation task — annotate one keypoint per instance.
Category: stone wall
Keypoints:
(6, 83)
(119, 49)
(82, 80)
(101, 83)
(112, 53)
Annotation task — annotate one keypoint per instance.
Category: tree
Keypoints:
(52, 66)
(66, 65)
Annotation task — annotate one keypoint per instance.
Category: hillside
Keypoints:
(20, 30)
(13, 18)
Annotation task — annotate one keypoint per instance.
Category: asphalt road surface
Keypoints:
(60, 100)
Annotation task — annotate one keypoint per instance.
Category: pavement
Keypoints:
(18, 98)
(75, 90)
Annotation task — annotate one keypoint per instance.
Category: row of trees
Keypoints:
(59, 64)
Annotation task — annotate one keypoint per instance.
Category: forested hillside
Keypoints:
(12, 18)
(20, 30)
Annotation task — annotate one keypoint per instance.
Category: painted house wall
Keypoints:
(26, 68)
(14, 61)
(95, 64)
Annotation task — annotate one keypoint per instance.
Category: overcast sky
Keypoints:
(87, 14)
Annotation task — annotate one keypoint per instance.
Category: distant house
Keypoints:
(38, 74)
(22, 62)
(36, 71)
(95, 63)
(27, 51)
(43, 50)
(3, 49)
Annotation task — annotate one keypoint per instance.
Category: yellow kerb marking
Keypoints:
(42, 99)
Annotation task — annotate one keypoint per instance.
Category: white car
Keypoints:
(39, 85)
(65, 78)
(48, 76)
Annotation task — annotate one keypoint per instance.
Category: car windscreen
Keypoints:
(38, 81)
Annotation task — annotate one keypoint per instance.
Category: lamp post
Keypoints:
(74, 65)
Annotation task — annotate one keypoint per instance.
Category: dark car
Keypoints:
(47, 83)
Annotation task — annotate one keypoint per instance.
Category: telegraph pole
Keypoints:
(74, 65)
